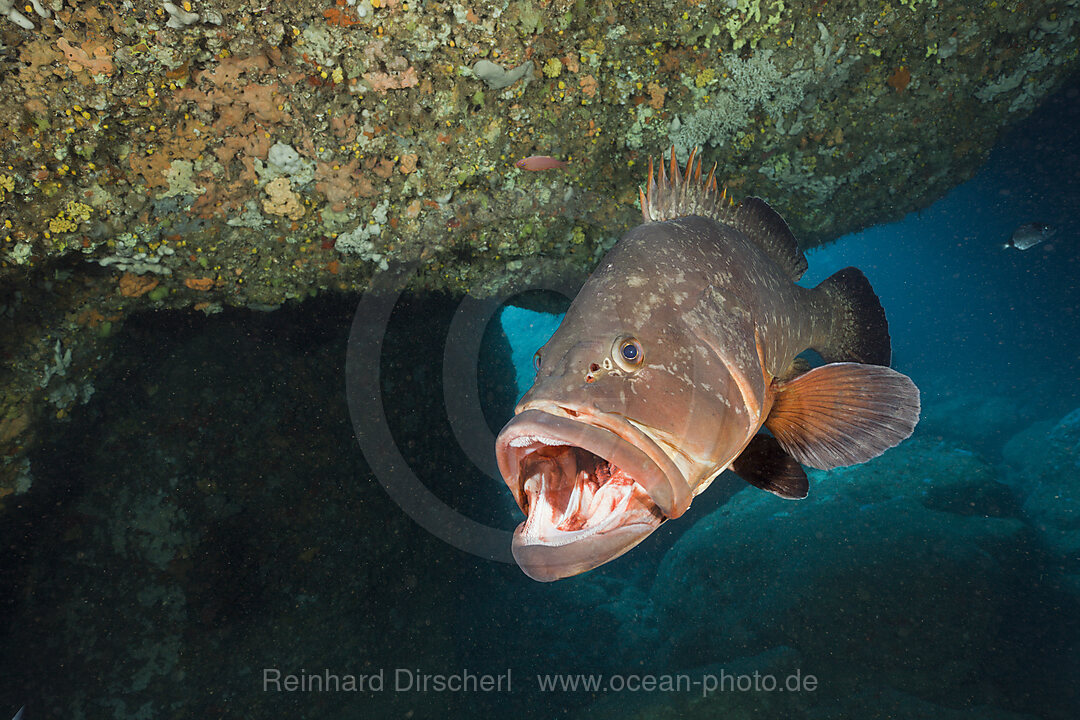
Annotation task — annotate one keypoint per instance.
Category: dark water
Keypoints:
(208, 525)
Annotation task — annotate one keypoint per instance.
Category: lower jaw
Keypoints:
(546, 562)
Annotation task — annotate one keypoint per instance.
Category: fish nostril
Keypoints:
(594, 367)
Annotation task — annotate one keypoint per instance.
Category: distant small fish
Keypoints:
(539, 162)
(1029, 235)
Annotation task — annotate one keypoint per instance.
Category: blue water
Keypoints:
(526, 330)
(964, 313)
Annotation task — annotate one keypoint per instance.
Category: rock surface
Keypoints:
(908, 571)
(1049, 459)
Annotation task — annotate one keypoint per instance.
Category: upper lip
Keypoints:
(606, 435)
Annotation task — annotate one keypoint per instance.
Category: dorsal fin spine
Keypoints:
(684, 194)
(672, 193)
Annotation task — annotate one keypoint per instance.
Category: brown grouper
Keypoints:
(674, 355)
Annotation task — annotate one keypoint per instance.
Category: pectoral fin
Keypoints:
(843, 413)
(765, 465)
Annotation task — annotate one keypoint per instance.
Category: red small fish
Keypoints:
(539, 162)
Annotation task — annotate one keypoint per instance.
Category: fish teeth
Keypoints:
(533, 485)
(534, 488)
(595, 500)
(603, 497)
(595, 504)
(588, 493)
(526, 440)
(623, 504)
(574, 504)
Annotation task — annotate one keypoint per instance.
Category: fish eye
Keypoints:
(629, 353)
(536, 361)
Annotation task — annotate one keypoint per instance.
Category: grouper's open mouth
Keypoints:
(592, 487)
